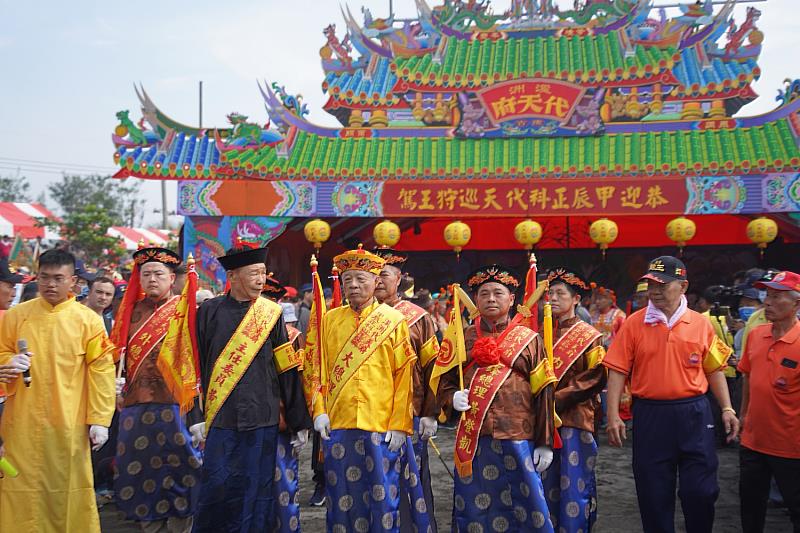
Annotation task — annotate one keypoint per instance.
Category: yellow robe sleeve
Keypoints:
(8, 347)
(401, 418)
(101, 376)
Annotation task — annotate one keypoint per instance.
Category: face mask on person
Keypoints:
(746, 312)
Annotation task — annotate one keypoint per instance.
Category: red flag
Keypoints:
(122, 322)
(178, 358)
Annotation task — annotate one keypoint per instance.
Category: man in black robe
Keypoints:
(242, 342)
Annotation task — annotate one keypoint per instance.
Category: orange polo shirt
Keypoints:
(666, 364)
(773, 368)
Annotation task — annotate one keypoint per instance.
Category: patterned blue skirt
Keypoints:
(363, 483)
(157, 469)
(569, 483)
(416, 515)
(287, 504)
(504, 492)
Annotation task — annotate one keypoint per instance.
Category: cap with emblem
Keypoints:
(273, 288)
(359, 259)
(493, 273)
(156, 254)
(665, 269)
(6, 275)
(562, 275)
(391, 256)
(782, 281)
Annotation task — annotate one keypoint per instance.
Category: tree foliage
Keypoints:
(86, 231)
(120, 200)
(14, 189)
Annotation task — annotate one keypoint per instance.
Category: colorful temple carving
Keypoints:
(610, 109)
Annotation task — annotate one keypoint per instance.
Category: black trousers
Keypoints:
(674, 440)
(755, 471)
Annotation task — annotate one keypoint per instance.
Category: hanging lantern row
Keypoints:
(603, 232)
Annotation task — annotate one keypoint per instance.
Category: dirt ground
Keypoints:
(617, 512)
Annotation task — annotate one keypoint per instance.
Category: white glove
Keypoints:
(120, 385)
(198, 432)
(322, 425)
(21, 362)
(427, 427)
(395, 439)
(300, 439)
(542, 457)
(98, 435)
(461, 400)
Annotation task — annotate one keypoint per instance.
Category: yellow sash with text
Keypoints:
(148, 336)
(571, 346)
(238, 354)
(372, 332)
(483, 387)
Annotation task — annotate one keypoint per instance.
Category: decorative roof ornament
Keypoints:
(292, 103)
(790, 92)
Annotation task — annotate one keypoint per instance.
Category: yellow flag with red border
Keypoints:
(452, 350)
(178, 357)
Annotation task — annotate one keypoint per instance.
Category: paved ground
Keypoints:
(618, 510)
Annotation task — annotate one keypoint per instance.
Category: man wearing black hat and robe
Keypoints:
(505, 435)
(158, 469)
(243, 347)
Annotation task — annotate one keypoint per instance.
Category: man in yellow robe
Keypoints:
(48, 425)
(365, 413)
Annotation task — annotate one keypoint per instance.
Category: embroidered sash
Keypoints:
(148, 336)
(367, 338)
(571, 346)
(293, 333)
(413, 314)
(483, 387)
(238, 354)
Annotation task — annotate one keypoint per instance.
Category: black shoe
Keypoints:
(318, 498)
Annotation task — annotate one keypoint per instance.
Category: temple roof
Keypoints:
(770, 145)
(467, 64)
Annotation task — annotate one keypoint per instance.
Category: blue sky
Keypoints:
(68, 67)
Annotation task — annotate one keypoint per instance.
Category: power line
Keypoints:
(53, 171)
(34, 162)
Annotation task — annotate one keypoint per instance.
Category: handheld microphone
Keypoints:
(22, 347)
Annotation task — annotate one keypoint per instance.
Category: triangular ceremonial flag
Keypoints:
(452, 351)
(178, 357)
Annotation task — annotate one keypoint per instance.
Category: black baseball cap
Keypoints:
(665, 269)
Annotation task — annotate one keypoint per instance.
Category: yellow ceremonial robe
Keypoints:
(46, 426)
(378, 396)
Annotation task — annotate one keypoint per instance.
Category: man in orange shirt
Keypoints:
(672, 357)
(771, 391)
